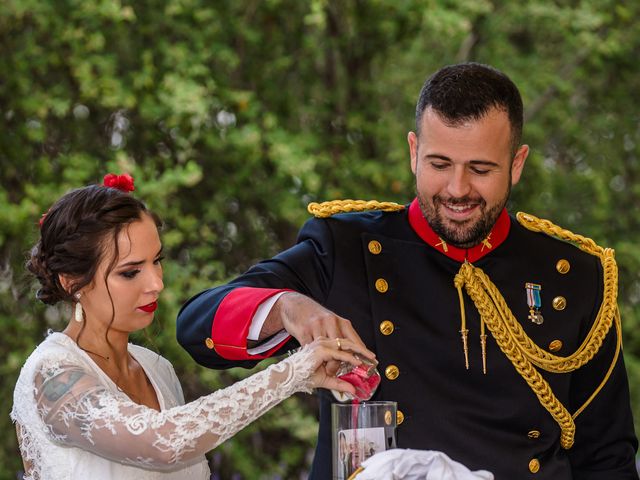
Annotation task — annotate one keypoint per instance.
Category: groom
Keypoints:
(471, 311)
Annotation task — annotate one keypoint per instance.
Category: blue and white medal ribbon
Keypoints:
(534, 301)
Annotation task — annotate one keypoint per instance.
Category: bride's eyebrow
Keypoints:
(131, 264)
(135, 263)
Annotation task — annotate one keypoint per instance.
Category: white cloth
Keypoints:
(407, 464)
(76, 424)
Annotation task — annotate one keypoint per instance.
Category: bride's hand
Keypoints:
(324, 350)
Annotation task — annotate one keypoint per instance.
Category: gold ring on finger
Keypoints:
(339, 344)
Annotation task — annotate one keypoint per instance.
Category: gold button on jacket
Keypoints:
(391, 372)
(387, 417)
(555, 346)
(563, 266)
(559, 303)
(381, 285)
(534, 465)
(386, 327)
(374, 247)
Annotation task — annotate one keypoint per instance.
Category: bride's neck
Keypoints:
(110, 346)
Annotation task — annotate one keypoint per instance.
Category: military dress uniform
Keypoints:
(489, 352)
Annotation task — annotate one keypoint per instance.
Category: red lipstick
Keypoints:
(150, 308)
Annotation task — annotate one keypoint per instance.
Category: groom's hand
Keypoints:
(306, 320)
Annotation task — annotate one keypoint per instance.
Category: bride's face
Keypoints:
(133, 284)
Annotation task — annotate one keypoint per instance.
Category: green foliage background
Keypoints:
(233, 115)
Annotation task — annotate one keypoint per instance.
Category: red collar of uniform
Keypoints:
(497, 235)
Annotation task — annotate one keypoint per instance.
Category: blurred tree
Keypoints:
(232, 116)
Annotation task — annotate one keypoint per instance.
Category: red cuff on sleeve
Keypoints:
(232, 320)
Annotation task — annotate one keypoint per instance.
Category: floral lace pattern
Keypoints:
(61, 400)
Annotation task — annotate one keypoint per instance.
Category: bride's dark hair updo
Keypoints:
(74, 234)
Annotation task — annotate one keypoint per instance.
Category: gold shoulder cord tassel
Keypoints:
(483, 345)
(464, 332)
(523, 353)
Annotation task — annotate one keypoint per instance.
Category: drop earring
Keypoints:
(78, 315)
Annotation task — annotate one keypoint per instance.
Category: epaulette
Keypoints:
(524, 354)
(326, 209)
(535, 224)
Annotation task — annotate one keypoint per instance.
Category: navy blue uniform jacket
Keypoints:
(487, 421)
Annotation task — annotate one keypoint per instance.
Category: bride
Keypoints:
(90, 405)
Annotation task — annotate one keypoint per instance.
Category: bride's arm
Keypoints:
(28, 466)
(79, 411)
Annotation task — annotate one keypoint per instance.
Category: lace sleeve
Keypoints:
(79, 411)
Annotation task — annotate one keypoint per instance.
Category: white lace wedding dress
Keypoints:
(75, 423)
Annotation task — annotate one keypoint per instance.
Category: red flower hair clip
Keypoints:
(41, 221)
(122, 182)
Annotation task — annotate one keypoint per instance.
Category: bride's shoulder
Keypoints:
(51, 358)
(55, 350)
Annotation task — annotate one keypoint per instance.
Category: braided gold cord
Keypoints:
(539, 357)
(608, 307)
(326, 209)
(494, 320)
(518, 347)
